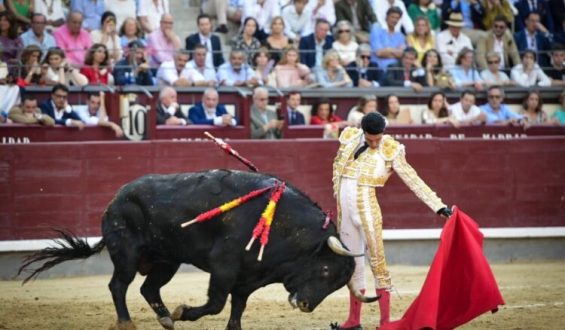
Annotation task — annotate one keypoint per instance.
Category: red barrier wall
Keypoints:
(502, 183)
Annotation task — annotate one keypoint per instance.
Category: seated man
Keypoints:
(496, 111)
(73, 39)
(210, 112)
(94, 113)
(168, 110)
(264, 122)
(236, 72)
(206, 74)
(387, 43)
(57, 108)
(465, 111)
(175, 72)
(163, 42)
(557, 70)
(134, 68)
(405, 72)
(295, 117)
(29, 113)
(313, 46)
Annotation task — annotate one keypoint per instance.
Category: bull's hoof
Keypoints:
(125, 325)
(335, 326)
(177, 313)
(167, 323)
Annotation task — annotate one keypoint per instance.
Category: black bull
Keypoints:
(141, 230)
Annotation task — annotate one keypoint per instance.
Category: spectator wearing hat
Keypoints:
(451, 41)
(472, 13)
(134, 68)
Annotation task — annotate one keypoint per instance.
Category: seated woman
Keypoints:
(277, 41)
(108, 36)
(366, 104)
(10, 42)
(422, 38)
(437, 112)
(532, 112)
(345, 45)
(464, 73)
(289, 72)
(131, 31)
(61, 72)
(246, 40)
(30, 71)
(364, 72)
(96, 68)
(323, 113)
(492, 74)
(529, 72)
(558, 117)
(393, 113)
(264, 67)
(436, 76)
(332, 74)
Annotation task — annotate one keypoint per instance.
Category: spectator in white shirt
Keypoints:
(297, 20)
(344, 44)
(465, 111)
(451, 41)
(492, 74)
(198, 63)
(236, 72)
(380, 8)
(321, 9)
(176, 72)
(529, 72)
(94, 113)
(150, 12)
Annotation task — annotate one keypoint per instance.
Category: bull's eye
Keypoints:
(325, 271)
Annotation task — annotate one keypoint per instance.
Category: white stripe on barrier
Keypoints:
(388, 234)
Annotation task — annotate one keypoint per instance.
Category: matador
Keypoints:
(365, 160)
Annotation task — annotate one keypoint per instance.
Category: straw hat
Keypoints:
(455, 19)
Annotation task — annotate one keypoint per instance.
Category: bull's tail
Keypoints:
(70, 247)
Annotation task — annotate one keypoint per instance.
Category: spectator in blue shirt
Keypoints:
(37, 34)
(465, 73)
(91, 10)
(496, 111)
(387, 44)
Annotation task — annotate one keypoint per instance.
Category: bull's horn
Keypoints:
(335, 244)
(359, 296)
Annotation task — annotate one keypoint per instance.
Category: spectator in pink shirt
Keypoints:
(163, 43)
(73, 39)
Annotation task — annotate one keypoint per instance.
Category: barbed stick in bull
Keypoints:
(231, 151)
(225, 207)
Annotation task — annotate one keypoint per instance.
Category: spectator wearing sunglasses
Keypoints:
(360, 13)
(498, 40)
(492, 74)
(496, 111)
(345, 44)
(364, 72)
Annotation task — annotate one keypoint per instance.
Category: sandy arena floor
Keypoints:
(534, 294)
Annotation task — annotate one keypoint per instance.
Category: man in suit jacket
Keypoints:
(210, 112)
(525, 7)
(168, 110)
(365, 16)
(264, 122)
(214, 57)
(364, 72)
(295, 117)
(57, 108)
(29, 114)
(534, 37)
(313, 46)
(498, 35)
(405, 73)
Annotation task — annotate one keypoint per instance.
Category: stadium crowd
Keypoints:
(466, 45)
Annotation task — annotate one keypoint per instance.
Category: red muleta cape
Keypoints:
(460, 284)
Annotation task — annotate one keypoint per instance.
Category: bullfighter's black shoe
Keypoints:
(335, 326)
